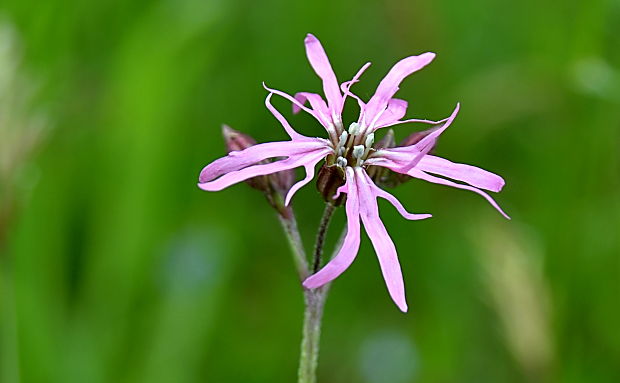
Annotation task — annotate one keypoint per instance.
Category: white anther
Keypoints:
(343, 139)
(354, 128)
(370, 139)
(358, 151)
(341, 162)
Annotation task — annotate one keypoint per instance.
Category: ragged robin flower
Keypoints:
(349, 149)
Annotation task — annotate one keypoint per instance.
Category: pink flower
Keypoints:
(352, 152)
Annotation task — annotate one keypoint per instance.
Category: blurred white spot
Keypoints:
(21, 124)
(594, 76)
(388, 356)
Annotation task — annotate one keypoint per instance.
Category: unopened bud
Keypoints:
(283, 180)
(416, 137)
(386, 142)
(328, 181)
(236, 140)
(388, 178)
(280, 181)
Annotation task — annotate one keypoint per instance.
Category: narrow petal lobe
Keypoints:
(237, 176)
(472, 175)
(381, 241)
(320, 63)
(395, 110)
(436, 180)
(351, 243)
(390, 83)
(254, 154)
(377, 191)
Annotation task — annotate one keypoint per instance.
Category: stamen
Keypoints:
(358, 151)
(354, 128)
(341, 162)
(343, 139)
(370, 139)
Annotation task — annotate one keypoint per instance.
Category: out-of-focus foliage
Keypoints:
(115, 267)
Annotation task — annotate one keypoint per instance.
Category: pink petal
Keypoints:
(396, 110)
(320, 63)
(346, 86)
(425, 144)
(299, 105)
(236, 176)
(316, 102)
(407, 157)
(436, 180)
(318, 106)
(351, 243)
(287, 127)
(461, 172)
(413, 120)
(377, 191)
(390, 83)
(291, 99)
(393, 157)
(341, 189)
(381, 241)
(240, 159)
(309, 176)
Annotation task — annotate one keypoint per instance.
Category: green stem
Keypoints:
(289, 224)
(320, 236)
(315, 302)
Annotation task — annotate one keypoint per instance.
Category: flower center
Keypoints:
(353, 147)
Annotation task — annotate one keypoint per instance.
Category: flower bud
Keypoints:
(388, 178)
(236, 141)
(328, 181)
(386, 142)
(416, 137)
(283, 180)
(275, 185)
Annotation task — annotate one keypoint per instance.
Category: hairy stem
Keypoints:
(320, 236)
(289, 224)
(315, 301)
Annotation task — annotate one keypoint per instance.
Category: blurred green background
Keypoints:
(115, 267)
